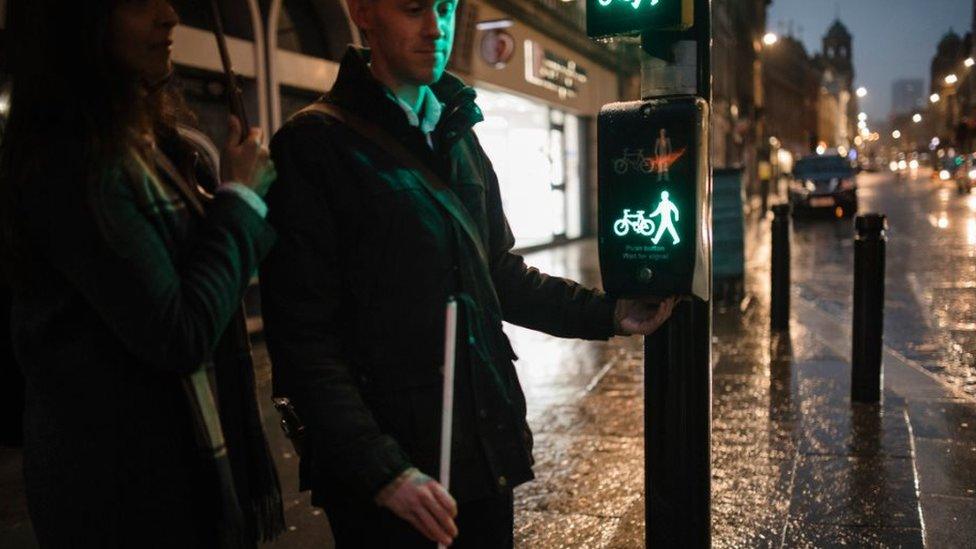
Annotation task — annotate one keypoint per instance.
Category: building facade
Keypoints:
(792, 82)
(838, 104)
(738, 131)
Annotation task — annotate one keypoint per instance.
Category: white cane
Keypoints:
(447, 416)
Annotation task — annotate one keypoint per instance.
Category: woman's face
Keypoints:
(142, 37)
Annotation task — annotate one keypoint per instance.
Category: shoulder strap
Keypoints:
(428, 179)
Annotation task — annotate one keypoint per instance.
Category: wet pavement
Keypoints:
(794, 463)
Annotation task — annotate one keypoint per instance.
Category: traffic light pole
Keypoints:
(677, 358)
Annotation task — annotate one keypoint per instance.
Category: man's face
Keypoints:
(411, 38)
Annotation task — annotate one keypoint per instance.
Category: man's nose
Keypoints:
(432, 24)
(166, 15)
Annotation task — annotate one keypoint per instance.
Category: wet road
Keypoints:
(930, 305)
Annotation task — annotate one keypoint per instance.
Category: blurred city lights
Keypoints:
(945, 175)
(969, 62)
(934, 98)
(951, 79)
(913, 164)
(896, 134)
(917, 118)
(862, 116)
(862, 91)
(770, 38)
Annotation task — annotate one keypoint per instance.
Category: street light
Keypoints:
(770, 38)
(896, 134)
(969, 62)
(934, 98)
(951, 79)
(862, 116)
(917, 118)
(862, 91)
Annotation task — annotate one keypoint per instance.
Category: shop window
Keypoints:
(535, 150)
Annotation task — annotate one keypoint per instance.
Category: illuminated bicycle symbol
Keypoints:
(634, 222)
(633, 159)
(633, 3)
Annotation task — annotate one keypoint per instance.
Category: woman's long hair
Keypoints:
(74, 110)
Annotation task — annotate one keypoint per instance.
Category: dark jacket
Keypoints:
(109, 312)
(353, 297)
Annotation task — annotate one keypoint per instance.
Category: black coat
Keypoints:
(109, 312)
(354, 292)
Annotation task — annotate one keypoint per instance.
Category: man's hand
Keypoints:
(424, 503)
(641, 316)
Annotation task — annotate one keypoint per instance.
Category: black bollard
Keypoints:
(779, 316)
(869, 282)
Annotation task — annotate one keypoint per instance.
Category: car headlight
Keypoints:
(893, 166)
(902, 165)
(913, 164)
(810, 185)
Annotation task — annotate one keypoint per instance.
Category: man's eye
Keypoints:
(446, 8)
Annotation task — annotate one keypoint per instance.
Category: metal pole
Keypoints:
(678, 380)
(779, 315)
(677, 429)
(869, 282)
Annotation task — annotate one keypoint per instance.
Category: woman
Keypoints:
(126, 279)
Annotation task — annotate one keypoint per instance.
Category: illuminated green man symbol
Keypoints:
(664, 209)
(634, 3)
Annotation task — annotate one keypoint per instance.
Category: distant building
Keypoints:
(738, 101)
(907, 96)
(954, 115)
(838, 105)
(791, 80)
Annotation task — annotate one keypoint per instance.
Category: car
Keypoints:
(960, 170)
(825, 182)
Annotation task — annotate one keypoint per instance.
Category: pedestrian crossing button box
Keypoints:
(654, 198)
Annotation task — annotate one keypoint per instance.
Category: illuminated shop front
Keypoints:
(535, 150)
(540, 98)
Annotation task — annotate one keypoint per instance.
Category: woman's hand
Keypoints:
(424, 503)
(247, 163)
(641, 316)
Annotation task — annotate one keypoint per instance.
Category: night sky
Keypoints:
(893, 39)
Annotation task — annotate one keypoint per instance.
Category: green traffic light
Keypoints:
(617, 17)
(633, 3)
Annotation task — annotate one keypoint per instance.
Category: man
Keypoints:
(354, 297)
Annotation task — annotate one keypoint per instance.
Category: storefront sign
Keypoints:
(654, 232)
(549, 70)
(497, 47)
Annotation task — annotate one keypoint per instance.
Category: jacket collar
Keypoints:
(357, 90)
